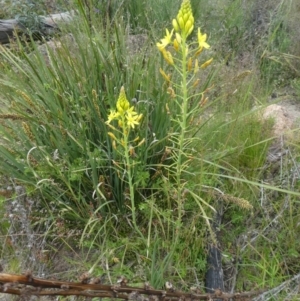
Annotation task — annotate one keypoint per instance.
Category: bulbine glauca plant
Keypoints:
(125, 143)
(182, 55)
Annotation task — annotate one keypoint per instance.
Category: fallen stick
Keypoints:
(29, 285)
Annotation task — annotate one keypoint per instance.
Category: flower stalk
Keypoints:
(183, 56)
(127, 119)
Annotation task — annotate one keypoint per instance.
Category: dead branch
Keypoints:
(29, 285)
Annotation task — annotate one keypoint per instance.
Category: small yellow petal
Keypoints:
(202, 40)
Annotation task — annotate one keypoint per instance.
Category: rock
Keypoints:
(283, 120)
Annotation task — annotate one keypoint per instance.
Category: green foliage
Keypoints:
(151, 224)
(274, 69)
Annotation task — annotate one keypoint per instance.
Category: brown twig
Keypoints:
(29, 285)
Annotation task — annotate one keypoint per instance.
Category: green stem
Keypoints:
(128, 167)
(183, 124)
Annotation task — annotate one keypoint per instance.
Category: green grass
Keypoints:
(55, 143)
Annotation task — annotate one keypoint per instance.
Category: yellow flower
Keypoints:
(177, 41)
(202, 40)
(113, 115)
(132, 119)
(165, 41)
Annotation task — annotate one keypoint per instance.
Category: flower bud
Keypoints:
(181, 22)
(122, 103)
(175, 25)
(176, 45)
(186, 17)
(139, 118)
(178, 38)
(188, 27)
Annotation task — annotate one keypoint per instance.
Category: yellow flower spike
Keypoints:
(202, 40)
(122, 103)
(165, 76)
(114, 144)
(185, 19)
(207, 63)
(168, 56)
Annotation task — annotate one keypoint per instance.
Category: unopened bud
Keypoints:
(175, 25)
